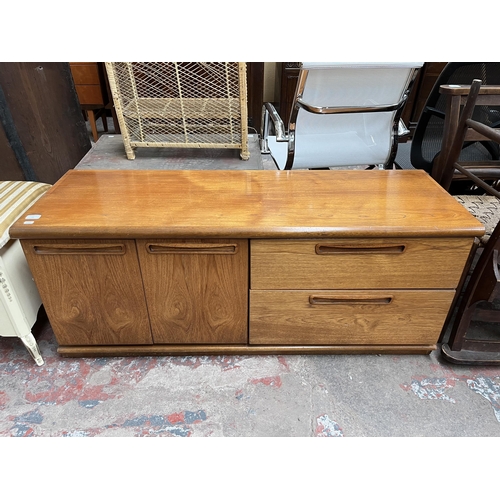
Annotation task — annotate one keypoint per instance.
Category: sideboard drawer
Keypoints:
(363, 263)
(327, 317)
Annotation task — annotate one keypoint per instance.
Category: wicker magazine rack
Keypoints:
(180, 105)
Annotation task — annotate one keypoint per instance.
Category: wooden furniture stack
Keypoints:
(92, 88)
(177, 262)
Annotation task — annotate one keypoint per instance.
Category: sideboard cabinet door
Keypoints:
(196, 289)
(91, 290)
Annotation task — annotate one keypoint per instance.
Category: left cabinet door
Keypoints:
(91, 289)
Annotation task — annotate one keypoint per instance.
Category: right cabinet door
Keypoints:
(196, 289)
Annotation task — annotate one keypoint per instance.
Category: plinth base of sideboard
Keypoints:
(212, 350)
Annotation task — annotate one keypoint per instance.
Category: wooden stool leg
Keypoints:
(93, 126)
(115, 120)
(104, 120)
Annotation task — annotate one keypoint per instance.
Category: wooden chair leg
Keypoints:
(104, 119)
(116, 124)
(93, 125)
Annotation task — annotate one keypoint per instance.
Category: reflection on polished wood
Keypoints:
(242, 204)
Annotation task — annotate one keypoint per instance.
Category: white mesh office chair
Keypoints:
(344, 114)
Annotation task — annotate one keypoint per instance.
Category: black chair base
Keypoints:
(468, 357)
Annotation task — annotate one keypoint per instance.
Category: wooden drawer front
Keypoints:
(85, 73)
(196, 290)
(319, 317)
(90, 94)
(91, 289)
(358, 263)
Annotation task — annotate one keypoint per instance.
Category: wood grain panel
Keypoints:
(358, 263)
(306, 317)
(85, 73)
(91, 290)
(249, 204)
(90, 94)
(10, 169)
(231, 350)
(47, 116)
(196, 290)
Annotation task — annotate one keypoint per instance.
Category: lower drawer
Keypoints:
(319, 317)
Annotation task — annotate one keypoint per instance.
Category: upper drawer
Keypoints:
(358, 263)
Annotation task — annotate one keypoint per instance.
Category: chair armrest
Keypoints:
(402, 129)
(329, 110)
(465, 89)
(269, 111)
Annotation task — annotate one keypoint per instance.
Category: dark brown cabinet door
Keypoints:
(196, 290)
(43, 126)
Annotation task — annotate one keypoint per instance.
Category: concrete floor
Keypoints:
(240, 396)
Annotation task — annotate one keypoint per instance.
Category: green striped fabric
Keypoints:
(15, 198)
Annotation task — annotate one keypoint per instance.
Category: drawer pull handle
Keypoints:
(345, 249)
(317, 300)
(79, 249)
(189, 248)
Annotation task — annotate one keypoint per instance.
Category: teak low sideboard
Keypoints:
(212, 262)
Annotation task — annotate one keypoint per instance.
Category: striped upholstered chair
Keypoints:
(19, 298)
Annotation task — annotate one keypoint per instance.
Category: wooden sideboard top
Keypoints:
(246, 204)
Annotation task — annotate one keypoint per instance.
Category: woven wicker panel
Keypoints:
(485, 208)
(171, 104)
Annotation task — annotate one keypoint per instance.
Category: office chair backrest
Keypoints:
(356, 136)
(426, 142)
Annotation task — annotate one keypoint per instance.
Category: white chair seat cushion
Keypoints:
(15, 198)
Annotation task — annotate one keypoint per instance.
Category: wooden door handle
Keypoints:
(80, 249)
(322, 249)
(317, 300)
(192, 248)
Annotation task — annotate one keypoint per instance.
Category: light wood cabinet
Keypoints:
(189, 262)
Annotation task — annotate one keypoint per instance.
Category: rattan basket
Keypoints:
(180, 105)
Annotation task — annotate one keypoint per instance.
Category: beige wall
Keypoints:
(269, 81)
